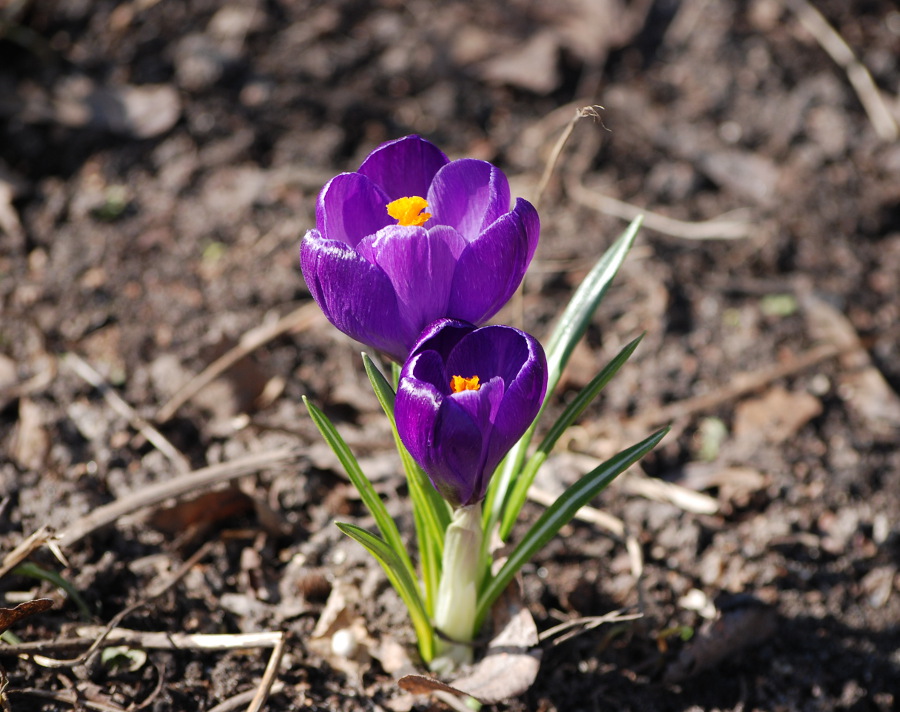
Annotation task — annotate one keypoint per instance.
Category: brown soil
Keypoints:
(159, 162)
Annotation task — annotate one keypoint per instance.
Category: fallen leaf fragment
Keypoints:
(737, 628)
(10, 616)
(510, 664)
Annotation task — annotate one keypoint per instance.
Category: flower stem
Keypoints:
(454, 614)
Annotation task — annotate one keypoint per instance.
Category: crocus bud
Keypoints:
(465, 396)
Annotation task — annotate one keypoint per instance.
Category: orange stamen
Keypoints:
(408, 211)
(459, 384)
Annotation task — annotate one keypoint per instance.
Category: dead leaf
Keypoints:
(737, 628)
(862, 385)
(532, 65)
(10, 616)
(204, 510)
(510, 664)
(30, 443)
(776, 416)
(139, 111)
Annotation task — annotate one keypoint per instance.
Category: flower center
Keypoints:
(408, 211)
(459, 384)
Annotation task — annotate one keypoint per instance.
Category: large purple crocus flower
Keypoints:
(382, 268)
(465, 396)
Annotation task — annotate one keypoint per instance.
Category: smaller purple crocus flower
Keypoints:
(465, 396)
(412, 237)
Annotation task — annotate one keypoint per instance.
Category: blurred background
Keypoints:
(159, 164)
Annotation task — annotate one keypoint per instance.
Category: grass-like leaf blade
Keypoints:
(560, 513)
(386, 525)
(570, 328)
(584, 398)
(430, 510)
(401, 580)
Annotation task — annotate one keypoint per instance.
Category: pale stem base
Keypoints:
(454, 614)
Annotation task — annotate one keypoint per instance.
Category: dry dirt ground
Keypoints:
(159, 162)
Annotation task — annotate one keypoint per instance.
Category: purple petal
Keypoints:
(491, 268)
(356, 296)
(351, 206)
(488, 352)
(439, 435)
(405, 167)
(420, 266)
(469, 195)
(521, 401)
(441, 336)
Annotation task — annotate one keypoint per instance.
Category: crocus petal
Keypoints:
(350, 207)
(498, 351)
(367, 310)
(440, 436)
(492, 266)
(469, 195)
(521, 402)
(441, 428)
(405, 167)
(420, 266)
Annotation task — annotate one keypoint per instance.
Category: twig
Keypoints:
(83, 369)
(41, 537)
(70, 697)
(741, 384)
(588, 514)
(584, 625)
(869, 95)
(715, 229)
(661, 491)
(580, 113)
(153, 593)
(301, 318)
(268, 678)
(242, 698)
(152, 640)
(154, 494)
(606, 521)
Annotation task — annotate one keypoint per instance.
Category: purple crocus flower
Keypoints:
(382, 268)
(465, 396)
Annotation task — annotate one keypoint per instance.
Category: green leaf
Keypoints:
(34, 571)
(431, 512)
(587, 394)
(560, 513)
(386, 525)
(572, 325)
(401, 580)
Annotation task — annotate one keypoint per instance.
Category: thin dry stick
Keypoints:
(159, 492)
(70, 697)
(301, 318)
(869, 95)
(715, 229)
(83, 369)
(741, 384)
(268, 678)
(606, 521)
(152, 640)
(580, 113)
(242, 698)
(41, 537)
(154, 592)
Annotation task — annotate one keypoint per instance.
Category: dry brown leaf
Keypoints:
(11, 616)
(776, 416)
(510, 664)
(206, 509)
(736, 629)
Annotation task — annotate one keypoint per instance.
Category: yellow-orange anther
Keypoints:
(459, 383)
(408, 211)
